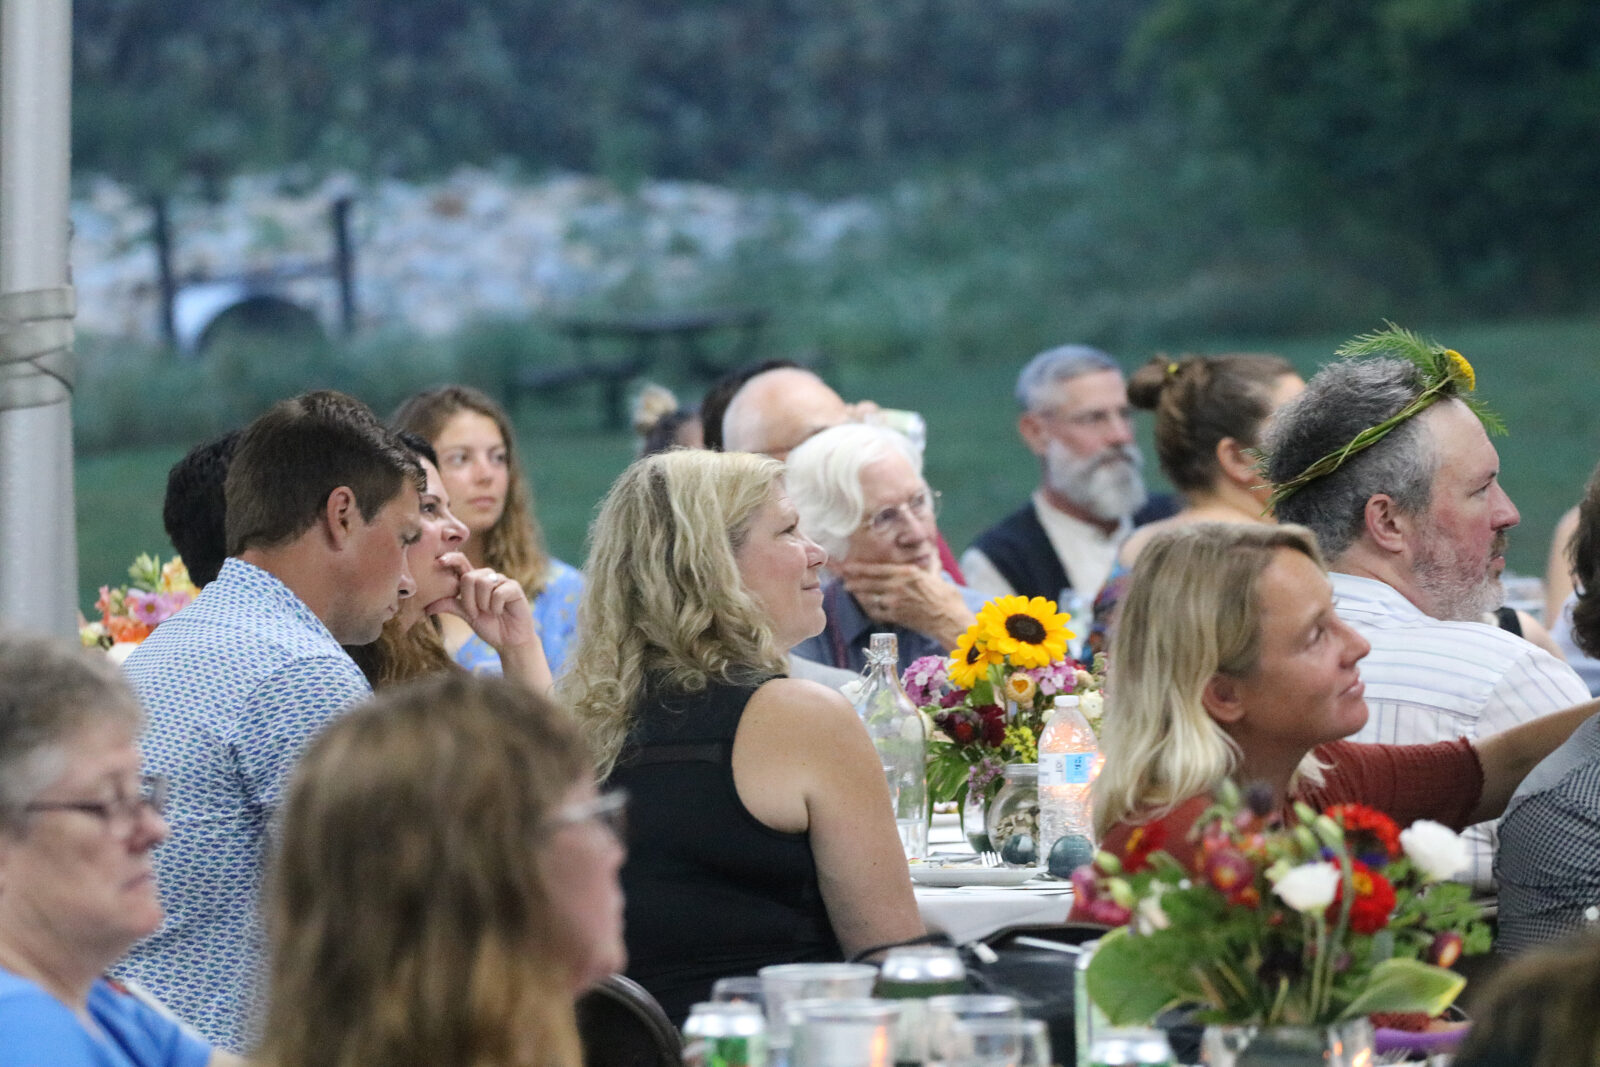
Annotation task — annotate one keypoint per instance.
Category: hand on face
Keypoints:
(496, 607)
(911, 595)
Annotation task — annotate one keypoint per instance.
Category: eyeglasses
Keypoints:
(610, 809)
(923, 505)
(120, 814)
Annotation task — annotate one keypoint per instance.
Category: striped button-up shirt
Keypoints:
(1429, 680)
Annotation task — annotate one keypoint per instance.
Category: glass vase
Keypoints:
(1346, 1044)
(974, 822)
(1014, 811)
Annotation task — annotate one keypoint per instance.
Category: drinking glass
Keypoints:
(945, 1012)
(1000, 1043)
(785, 983)
(858, 1032)
(742, 989)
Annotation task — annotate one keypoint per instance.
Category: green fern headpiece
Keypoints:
(1446, 375)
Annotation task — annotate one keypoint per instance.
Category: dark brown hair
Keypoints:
(1198, 401)
(302, 449)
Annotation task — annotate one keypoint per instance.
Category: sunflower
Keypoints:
(971, 658)
(1460, 369)
(1030, 632)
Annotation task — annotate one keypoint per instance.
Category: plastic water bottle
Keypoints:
(897, 732)
(1067, 751)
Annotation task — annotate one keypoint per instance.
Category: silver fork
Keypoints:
(989, 859)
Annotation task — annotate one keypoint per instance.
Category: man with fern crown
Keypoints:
(1386, 457)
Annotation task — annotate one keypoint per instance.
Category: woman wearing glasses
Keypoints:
(860, 495)
(762, 829)
(446, 884)
(77, 887)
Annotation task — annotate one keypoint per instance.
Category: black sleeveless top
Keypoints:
(711, 890)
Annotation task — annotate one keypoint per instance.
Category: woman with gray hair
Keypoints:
(1230, 662)
(77, 888)
(861, 496)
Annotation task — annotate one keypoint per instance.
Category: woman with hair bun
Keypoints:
(1210, 413)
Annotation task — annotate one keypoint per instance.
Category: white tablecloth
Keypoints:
(972, 912)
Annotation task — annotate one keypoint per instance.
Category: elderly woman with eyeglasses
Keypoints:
(77, 888)
(861, 496)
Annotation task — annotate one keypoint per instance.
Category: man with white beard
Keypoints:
(1063, 542)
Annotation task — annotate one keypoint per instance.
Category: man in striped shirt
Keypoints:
(1414, 527)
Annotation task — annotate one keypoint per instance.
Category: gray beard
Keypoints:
(1451, 597)
(1106, 485)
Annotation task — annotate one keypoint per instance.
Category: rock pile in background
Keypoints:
(429, 258)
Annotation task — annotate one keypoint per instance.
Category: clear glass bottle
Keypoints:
(1067, 751)
(901, 739)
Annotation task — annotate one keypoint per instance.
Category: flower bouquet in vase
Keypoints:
(1285, 939)
(988, 702)
(128, 613)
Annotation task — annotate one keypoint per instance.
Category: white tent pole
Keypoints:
(38, 532)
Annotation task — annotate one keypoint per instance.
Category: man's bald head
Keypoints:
(776, 410)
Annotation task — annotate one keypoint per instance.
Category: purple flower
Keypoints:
(925, 679)
(145, 607)
(1053, 678)
(983, 774)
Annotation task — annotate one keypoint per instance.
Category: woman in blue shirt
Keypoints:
(77, 887)
(488, 491)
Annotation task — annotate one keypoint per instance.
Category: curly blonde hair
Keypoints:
(514, 545)
(1191, 611)
(663, 600)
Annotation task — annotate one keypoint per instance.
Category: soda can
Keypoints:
(911, 974)
(1120, 1048)
(725, 1035)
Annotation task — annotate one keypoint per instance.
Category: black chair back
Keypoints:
(621, 1025)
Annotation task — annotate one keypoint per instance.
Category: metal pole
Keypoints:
(38, 534)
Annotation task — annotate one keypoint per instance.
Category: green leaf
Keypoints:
(1120, 983)
(1407, 986)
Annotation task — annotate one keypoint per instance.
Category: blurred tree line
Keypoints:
(1459, 135)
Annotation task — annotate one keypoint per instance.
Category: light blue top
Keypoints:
(555, 617)
(37, 1030)
(235, 686)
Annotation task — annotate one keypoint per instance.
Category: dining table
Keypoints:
(972, 912)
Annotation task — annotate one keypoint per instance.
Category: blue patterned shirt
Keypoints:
(555, 617)
(235, 686)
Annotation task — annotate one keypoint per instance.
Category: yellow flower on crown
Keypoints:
(1461, 370)
(971, 659)
(1029, 633)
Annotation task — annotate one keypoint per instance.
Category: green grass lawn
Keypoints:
(1536, 374)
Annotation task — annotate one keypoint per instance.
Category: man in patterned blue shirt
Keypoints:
(321, 504)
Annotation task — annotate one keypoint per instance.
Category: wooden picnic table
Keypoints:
(611, 351)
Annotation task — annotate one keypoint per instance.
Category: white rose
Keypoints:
(1437, 851)
(1308, 888)
(1150, 916)
(1092, 704)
